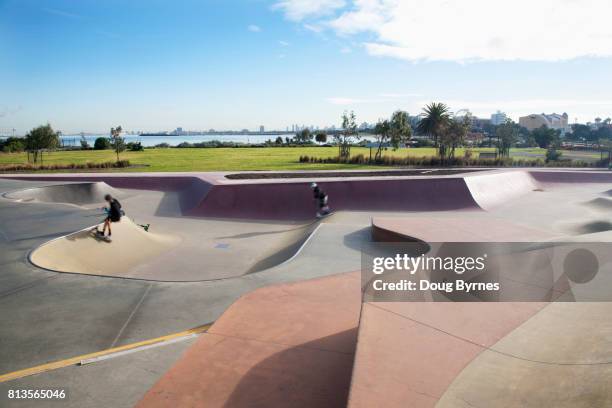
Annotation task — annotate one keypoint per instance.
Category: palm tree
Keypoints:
(435, 123)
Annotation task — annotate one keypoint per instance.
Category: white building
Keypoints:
(498, 118)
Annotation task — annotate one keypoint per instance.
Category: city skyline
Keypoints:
(154, 65)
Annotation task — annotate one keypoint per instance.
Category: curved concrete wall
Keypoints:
(294, 200)
(75, 193)
(495, 189)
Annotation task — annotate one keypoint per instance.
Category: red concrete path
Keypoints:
(409, 353)
(290, 345)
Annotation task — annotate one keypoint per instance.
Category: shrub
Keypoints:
(102, 143)
(552, 155)
(435, 161)
(135, 147)
(69, 166)
(12, 145)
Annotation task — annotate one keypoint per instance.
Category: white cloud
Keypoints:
(314, 28)
(254, 28)
(283, 43)
(465, 31)
(346, 50)
(298, 10)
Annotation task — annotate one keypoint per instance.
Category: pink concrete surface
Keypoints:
(453, 229)
(408, 354)
(572, 176)
(294, 200)
(286, 345)
(210, 195)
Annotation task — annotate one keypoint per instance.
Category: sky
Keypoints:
(150, 65)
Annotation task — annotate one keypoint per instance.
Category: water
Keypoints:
(150, 141)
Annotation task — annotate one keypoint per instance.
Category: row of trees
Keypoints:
(446, 131)
(44, 138)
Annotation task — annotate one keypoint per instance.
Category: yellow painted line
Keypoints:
(76, 360)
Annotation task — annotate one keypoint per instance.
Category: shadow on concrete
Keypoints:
(313, 374)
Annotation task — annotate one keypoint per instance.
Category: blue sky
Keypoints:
(86, 65)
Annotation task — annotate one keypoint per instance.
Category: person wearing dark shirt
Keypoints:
(114, 213)
(321, 198)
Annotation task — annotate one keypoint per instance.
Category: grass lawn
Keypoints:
(225, 159)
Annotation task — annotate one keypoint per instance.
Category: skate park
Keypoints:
(282, 291)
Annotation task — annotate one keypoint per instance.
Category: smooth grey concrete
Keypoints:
(118, 382)
(50, 316)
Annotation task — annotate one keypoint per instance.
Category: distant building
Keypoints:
(552, 121)
(262, 129)
(498, 118)
(179, 130)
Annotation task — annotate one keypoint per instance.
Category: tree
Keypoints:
(279, 140)
(400, 129)
(349, 131)
(117, 142)
(453, 136)
(321, 137)
(580, 132)
(544, 136)
(303, 136)
(84, 144)
(434, 124)
(507, 135)
(12, 145)
(40, 139)
(102, 143)
(381, 133)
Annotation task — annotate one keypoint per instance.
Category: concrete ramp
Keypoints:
(495, 189)
(75, 193)
(83, 253)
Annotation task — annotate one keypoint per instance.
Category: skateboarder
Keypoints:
(114, 214)
(321, 198)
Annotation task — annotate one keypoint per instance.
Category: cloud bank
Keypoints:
(467, 31)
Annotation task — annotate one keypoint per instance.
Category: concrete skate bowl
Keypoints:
(80, 194)
(131, 250)
(178, 256)
(452, 229)
(293, 200)
(550, 177)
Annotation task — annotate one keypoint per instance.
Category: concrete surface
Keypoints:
(286, 345)
(238, 236)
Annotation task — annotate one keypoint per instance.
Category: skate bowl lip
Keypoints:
(61, 184)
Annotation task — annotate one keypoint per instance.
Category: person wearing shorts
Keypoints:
(114, 213)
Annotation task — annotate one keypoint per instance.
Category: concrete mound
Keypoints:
(81, 252)
(74, 193)
(600, 203)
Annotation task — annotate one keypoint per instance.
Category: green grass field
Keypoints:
(231, 159)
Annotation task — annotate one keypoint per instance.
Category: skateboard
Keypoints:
(98, 235)
(327, 214)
